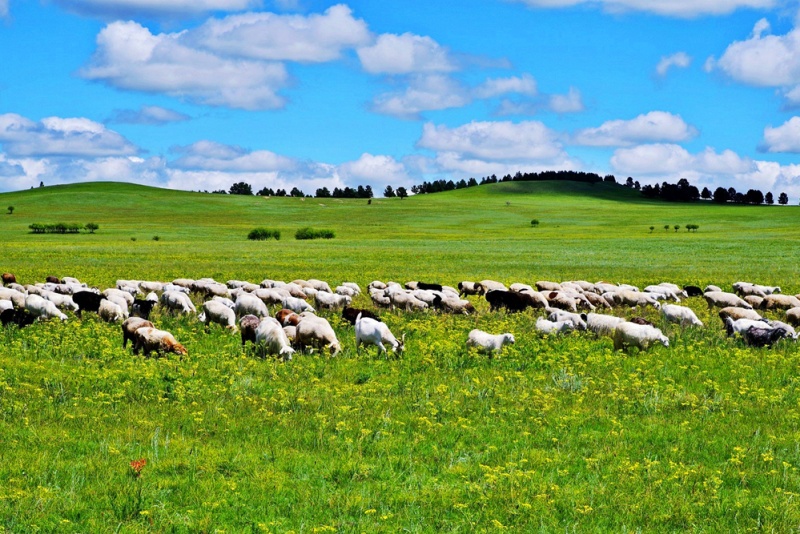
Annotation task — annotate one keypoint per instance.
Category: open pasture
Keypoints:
(556, 434)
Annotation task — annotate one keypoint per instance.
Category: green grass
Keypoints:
(556, 434)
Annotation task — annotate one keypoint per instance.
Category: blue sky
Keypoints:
(200, 94)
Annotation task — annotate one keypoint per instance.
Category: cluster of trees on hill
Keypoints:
(682, 191)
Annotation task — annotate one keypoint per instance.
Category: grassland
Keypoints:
(556, 434)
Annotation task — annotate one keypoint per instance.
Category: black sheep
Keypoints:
(142, 308)
(18, 316)
(763, 337)
(693, 291)
(87, 301)
(351, 314)
(513, 302)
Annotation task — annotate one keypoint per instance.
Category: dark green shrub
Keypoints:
(262, 234)
(535, 222)
(311, 233)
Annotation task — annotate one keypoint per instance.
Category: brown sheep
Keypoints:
(9, 278)
(779, 302)
(287, 317)
(738, 313)
(247, 326)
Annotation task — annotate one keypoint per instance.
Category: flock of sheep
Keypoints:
(244, 306)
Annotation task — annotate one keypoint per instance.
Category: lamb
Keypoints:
(763, 337)
(372, 332)
(549, 327)
(175, 301)
(217, 312)
(250, 305)
(247, 327)
(793, 316)
(579, 320)
(738, 313)
(129, 328)
(331, 301)
(111, 312)
(680, 314)
(149, 339)
(602, 325)
(779, 302)
(317, 331)
(42, 308)
(721, 299)
(487, 343)
(271, 339)
(640, 336)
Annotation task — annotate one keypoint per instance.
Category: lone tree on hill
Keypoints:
(10, 210)
(783, 199)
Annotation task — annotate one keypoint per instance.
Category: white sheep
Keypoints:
(345, 290)
(111, 312)
(224, 300)
(121, 293)
(487, 343)
(352, 285)
(331, 301)
(372, 332)
(379, 299)
(176, 301)
(271, 339)
(550, 327)
(271, 296)
(680, 314)
(299, 305)
(602, 325)
(785, 326)
(320, 285)
(218, 312)
(738, 313)
(721, 299)
(740, 326)
(637, 335)
(629, 297)
(316, 331)
(16, 297)
(42, 308)
(578, 319)
(779, 302)
(248, 304)
(6, 305)
(793, 316)
(407, 301)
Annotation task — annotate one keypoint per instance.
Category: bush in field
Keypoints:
(91, 227)
(58, 228)
(262, 234)
(692, 227)
(535, 222)
(311, 233)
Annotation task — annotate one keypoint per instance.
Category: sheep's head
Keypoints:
(508, 339)
(664, 340)
(401, 344)
(286, 353)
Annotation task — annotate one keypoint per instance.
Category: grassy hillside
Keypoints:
(586, 231)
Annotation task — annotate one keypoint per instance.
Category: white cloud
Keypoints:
(783, 138)
(656, 126)
(55, 136)
(121, 9)
(671, 8)
(764, 61)
(502, 141)
(569, 103)
(377, 171)
(129, 57)
(267, 36)
(424, 93)
(154, 115)
(493, 87)
(405, 54)
(679, 60)
(212, 156)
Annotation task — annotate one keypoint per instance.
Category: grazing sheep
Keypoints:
(53, 280)
(376, 284)
(793, 316)
(779, 302)
(42, 308)
(271, 339)
(127, 297)
(129, 328)
(331, 301)
(224, 300)
(721, 299)
(64, 302)
(484, 286)
(578, 319)
(511, 301)
(122, 303)
(372, 332)
(271, 297)
(143, 307)
(754, 301)
(738, 313)
(596, 300)
(299, 305)
(634, 299)
(179, 302)
(379, 299)
(487, 343)
(345, 290)
(562, 301)
(18, 316)
(217, 312)
(87, 301)
(667, 292)
(763, 337)
(149, 339)
(546, 286)
(351, 314)
(408, 302)
(9, 278)
(740, 326)
(317, 331)
(247, 327)
(789, 329)
(431, 298)
(456, 305)
(635, 335)
(17, 298)
(248, 304)
(680, 314)
(549, 327)
(319, 285)
(6, 305)
(352, 285)
(602, 325)
(287, 317)
(746, 288)
(467, 288)
(712, 288)
(693, 291)
(111, 312)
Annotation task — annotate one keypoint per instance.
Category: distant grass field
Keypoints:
(557, 434)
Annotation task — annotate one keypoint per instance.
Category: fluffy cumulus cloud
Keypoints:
(656, 126)
(267, 36)
(405, 54)
(117, 9)
(212, 156)
(671, 8)
(424, 93)
(764, 60)
(783, 138)
(153, 115)
(128, 56)
(493, 87)
(495, 141)
(60, 137)
(680, 60)
(375, 170)
(568, 103)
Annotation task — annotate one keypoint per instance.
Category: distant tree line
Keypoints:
(683, 191)
(62, 228)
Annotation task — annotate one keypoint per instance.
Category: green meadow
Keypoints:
(555, 434)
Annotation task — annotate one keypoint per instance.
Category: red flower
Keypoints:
(137, 466)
